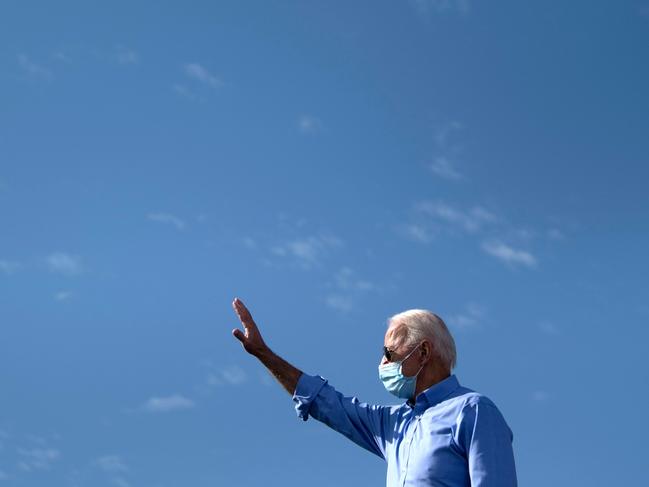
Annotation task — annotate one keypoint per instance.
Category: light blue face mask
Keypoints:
(395, 382)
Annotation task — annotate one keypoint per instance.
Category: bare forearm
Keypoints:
(285, 373)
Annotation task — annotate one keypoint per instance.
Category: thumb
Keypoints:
(238, 334)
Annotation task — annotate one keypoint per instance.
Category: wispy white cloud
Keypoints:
(32, 69)
(307, 252)
(444, 163)
(61, 57)
(443, 167)
(64, 263)
(470, 220)
(120, 482)
(416, 232)
(555, 234)
(114, 467)
(111, 464)
(292, 244)
(347, 280)
(62, 295)
(469, 318)
(37, 458)
(249, 242)
(348, 288)
(443, 134)
(437, 218)
(308, 124)
(167, 404)
(167, 218)
(200, 73)
(522, 234)
(231, 375)
(509, 255)
(185, 92)
(124, 55)
(9, 267)
(339, 302)
(441, 6)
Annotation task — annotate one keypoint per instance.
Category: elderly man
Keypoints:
(443, 435)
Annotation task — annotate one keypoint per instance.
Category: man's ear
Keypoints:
(426, 351)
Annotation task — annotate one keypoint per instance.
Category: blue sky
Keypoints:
(331, 163)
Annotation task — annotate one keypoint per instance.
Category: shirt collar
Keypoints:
(436, 393)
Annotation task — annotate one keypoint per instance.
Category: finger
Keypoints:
(244, 315)
(238, 334)
(240, 308)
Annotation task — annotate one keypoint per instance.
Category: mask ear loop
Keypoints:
(406, 358)
(413, 351)
(422, 365)
(420, 368)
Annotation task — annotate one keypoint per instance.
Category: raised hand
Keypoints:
(250, 338)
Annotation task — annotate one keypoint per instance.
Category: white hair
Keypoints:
(415, 325)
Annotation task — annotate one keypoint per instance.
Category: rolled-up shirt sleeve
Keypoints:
(366, 425)
(308, 387)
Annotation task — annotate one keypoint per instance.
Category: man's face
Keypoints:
(398, 351)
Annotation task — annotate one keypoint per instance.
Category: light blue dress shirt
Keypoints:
(451, 436)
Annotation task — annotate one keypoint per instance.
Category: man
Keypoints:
(443, 435)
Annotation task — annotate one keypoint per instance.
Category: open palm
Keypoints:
(250, 337)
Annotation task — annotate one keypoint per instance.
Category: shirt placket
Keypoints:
(412, 427)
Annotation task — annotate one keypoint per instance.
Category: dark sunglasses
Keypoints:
(387, 353)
